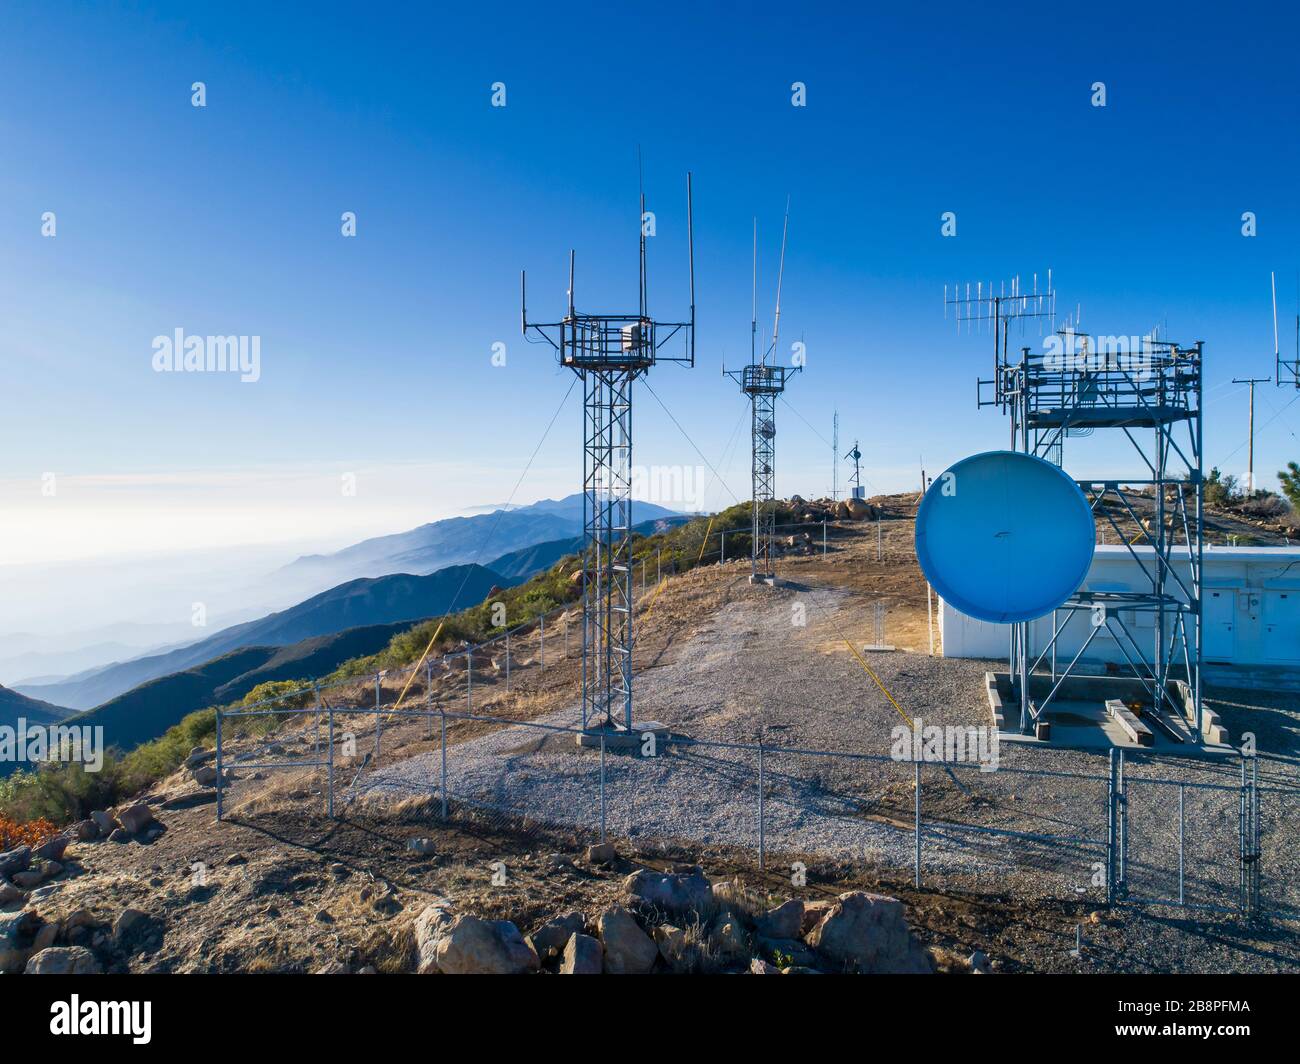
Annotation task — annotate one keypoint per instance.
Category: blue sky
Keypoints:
(376, 350)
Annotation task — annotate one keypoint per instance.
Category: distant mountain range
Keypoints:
(385, 600)
(457, 540)
(138, 699)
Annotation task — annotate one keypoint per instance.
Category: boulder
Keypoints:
(422, 846)
(16, 860)
(471, 946)
(553, 936)
(30, 879)
(671, 942)
(15, 929)
(333, 968)
(119, 835)
(9, 893)
(813, 911)
(199, 756)
(465, 945)
(867, 933)
(131, 924)
(45, 937)
(86, 830)
(63, 960)
(204, 775)
(53, 849)
(106, 822)
(758, 966)
(673, 892)
(628, 949)
(978, 962)
(135, 818)
(428, 926)
(583, 955)
(603, 854)
(785, 921)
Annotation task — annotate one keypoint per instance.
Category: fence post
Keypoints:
(602, 788)
(220, 771)
(1255, 852)
(1182, 825)
(428, 693)
(566, 637)
(378, 719)
(1242, 854)
(541, 641)
(722, 547)
(823, 537)
(1123, 828)
(1110, 830)
(507, 661)
(762, 838)
(329, 788)
(917, 826)
(880, 540)
(442, 784)
(316, 753)
(659, 566)
(469, 680)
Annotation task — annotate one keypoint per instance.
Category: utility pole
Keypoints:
(1250, 447)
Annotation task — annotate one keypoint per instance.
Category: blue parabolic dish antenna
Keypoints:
(1004, 536)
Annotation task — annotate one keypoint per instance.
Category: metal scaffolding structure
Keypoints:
(609, 352)
(1152, 398)
(1149, 393)
(763, 381)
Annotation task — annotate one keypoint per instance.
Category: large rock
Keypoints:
(16, 930)
(466, 945)
(86, 830)
(628, 949)
(105, 821)
(673, 892)
(554, 935)
(53, 849)
(428, 926)
(63, 960)
(866, 932)
(15, 860)
(9, 893)
(135, 818)
(671, 942)
(583, 955)
(783, 922)
(204, 775)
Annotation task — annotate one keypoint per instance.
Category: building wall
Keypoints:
(1251, 611)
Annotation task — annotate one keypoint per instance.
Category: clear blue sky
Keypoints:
(376, 350)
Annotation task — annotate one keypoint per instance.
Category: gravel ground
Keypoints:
(752, 672)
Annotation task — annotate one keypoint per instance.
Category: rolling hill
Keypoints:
(145, 712)
(14, 705)
(355, 604)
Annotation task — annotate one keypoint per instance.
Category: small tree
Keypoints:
(1290, 478)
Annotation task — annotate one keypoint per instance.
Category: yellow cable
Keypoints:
(437, 632)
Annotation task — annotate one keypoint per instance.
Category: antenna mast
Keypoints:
(609, 352)
(763, 381)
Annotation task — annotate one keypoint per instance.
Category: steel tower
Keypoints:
(609, 352)
(763, 381)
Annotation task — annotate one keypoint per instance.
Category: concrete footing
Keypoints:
(620, 738)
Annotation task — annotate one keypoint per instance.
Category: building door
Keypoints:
(1220, 607)
(1281, 636)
